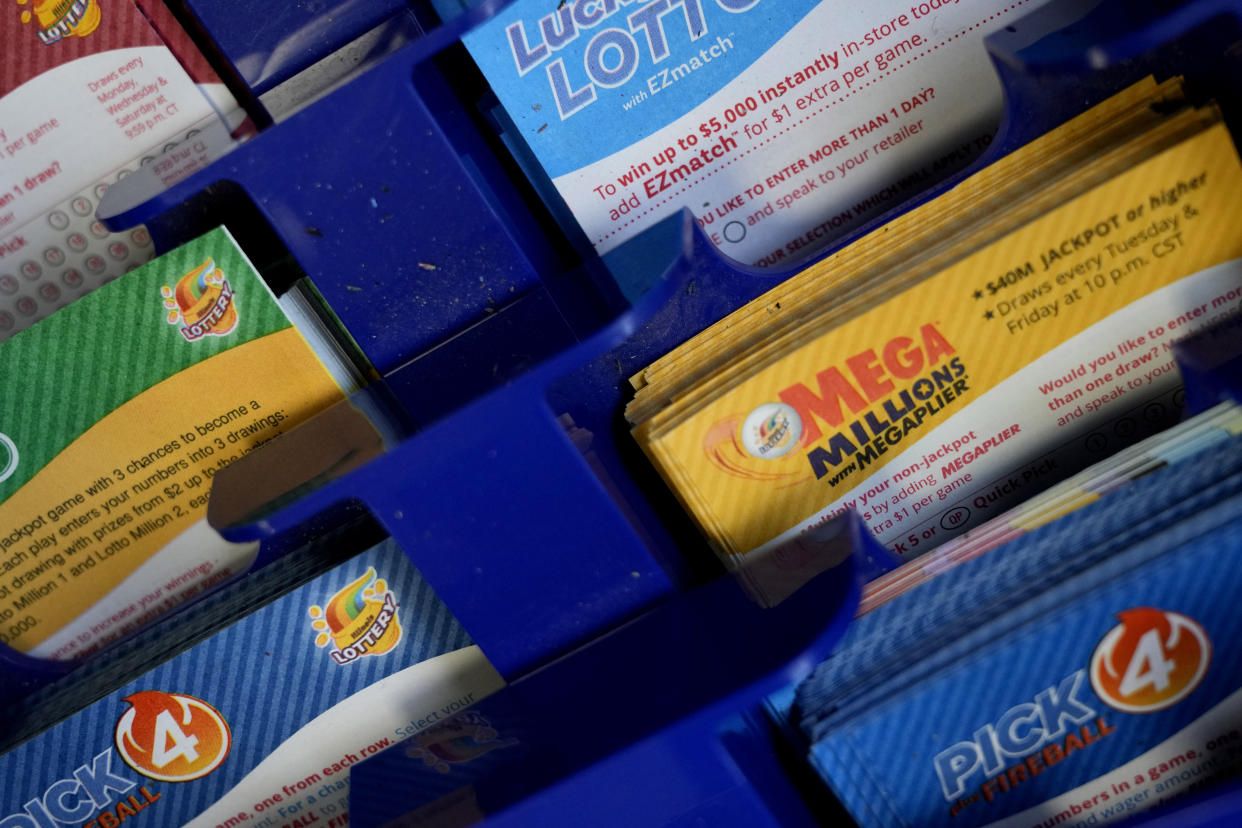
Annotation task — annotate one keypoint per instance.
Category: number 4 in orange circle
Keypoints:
(172, 737)
(1150, 661)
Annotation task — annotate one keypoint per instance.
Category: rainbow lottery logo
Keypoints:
(771, 431)
(8, 457)
(360, 620)
(58, 19)
(201, 303)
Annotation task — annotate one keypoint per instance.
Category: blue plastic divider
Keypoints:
(657, 723)
(268, 43)
(492, 333)
(577, 533)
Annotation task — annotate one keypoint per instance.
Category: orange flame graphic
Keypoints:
(172, 737)
(1151, 660)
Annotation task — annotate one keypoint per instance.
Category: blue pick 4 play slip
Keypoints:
(259, 724)
(1081, 674)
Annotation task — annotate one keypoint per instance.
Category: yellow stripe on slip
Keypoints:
(140, 476)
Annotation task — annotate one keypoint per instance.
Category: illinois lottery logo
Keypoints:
(360, 620)
(172, 737)
(460, 740)
(771, 430)
(1150, 661)
(58, 19)
(201, 303)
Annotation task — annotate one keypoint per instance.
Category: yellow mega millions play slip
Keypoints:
(932, 402)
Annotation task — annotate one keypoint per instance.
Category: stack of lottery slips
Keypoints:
(1084, 672)
(118, 412)
(1183, 440)
(974, 351)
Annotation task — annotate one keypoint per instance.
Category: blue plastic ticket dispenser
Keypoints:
(505, 351)
(399, 206)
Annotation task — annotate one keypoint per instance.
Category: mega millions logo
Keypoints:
(1150, 661)
(172, 737)
(360, 620)
(845, 418)
(202, 303)
(58, 19)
